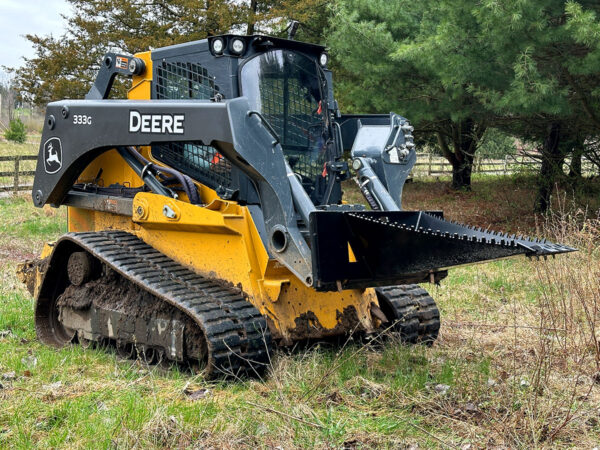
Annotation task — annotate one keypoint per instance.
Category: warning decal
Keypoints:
(122, 63)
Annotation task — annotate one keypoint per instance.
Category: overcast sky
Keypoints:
(21, 17)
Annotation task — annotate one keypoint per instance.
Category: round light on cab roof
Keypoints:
(237, 46)
(323, 59)
(217, 46)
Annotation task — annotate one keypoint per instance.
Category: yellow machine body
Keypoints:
(219, 240)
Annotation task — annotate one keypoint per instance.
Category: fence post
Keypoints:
(505, 164)
(16, 185)
(429, 165)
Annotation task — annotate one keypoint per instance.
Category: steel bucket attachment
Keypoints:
(359, 249)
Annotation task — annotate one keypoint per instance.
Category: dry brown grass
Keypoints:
(544, 352)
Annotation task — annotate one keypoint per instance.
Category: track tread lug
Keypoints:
(416, 316)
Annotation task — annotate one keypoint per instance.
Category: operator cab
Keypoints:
(288, 89)
(285, 81)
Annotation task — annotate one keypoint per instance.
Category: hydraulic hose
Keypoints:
(141, 169)
(186, 182)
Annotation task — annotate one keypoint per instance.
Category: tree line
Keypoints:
(456, 68)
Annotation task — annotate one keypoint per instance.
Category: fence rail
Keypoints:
(432, 165)
(20, 173)
(18, 177)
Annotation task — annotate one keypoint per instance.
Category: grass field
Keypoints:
(8, 148)
(516, 364)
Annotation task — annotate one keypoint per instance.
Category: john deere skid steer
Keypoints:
(206, 221)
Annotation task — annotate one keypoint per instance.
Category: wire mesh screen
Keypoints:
(201, 162)
(292, 111)
(180, 80)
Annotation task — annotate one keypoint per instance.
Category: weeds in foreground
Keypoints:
(515, 366)
(569, 311)
(530, 377)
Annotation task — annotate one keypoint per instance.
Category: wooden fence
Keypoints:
(19, 176)
(432, 165)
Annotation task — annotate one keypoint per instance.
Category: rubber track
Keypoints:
(237, 335)
(417, 317)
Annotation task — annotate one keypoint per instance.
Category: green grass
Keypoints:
(24, 229)
(30, 147)
(8, 148)
(325, 397)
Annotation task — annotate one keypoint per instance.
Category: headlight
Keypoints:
(237, 46)
(323, 59)
(217, 46)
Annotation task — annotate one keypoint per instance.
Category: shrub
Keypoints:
(16, 131)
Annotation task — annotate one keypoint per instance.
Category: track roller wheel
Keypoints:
(48, 326)
(80, 268)
(84, 342)
(126, 350)
(149, 355)
(412, 312)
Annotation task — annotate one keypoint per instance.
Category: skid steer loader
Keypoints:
(205, 214)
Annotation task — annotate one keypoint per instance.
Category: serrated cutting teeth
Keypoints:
(430, 232)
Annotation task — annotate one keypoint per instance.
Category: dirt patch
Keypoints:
(110, 291)
(308, 325)
(10, 252)
(28, 271)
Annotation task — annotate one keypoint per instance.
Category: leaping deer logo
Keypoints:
(53, 155)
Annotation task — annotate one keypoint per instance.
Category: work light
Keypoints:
(323, 59)
(217, 46)
(237, 46)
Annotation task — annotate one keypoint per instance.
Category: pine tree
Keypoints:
(458, 67)
(417, 59)
(551, 51)
(16, 131)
